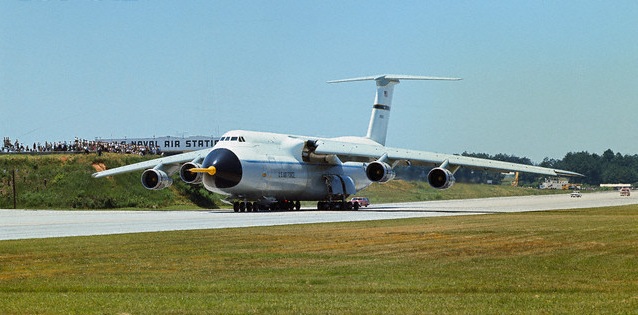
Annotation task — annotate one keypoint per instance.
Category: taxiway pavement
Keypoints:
(28, 224)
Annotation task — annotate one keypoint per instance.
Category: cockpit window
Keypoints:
(240, 139)
(236, 138)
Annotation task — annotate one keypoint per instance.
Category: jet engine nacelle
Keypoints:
(441, 178)
(189, 177)
(379, 172)
(156, 179)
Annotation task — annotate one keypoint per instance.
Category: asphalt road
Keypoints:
(28, 224)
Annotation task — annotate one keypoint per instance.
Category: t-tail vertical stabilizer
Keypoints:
(378, 127)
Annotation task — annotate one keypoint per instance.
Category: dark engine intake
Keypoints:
(155, 179)
(379, 172)
(189, 177)
(441, 178)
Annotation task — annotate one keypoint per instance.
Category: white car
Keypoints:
(576, 194)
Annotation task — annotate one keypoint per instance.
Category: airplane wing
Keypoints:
(362, 152)
(169, 162)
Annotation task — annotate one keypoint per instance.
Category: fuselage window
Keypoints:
(241, 139)
(233, 139)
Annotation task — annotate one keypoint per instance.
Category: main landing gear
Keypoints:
(285, 205)
(337, 205)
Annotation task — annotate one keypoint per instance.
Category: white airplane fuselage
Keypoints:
(270, 165)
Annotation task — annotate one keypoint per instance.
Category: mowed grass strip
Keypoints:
(576, 261)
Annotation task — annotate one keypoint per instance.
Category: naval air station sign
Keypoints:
(169, 144)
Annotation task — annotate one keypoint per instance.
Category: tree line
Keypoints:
(610, 168)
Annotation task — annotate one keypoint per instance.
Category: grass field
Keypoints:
(576, 261)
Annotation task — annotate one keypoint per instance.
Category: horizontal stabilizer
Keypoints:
(394, 77)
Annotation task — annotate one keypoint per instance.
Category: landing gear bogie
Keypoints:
(245, 206)
(286, 205)
(337, 205)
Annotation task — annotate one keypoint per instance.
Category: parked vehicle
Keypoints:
(362, 201)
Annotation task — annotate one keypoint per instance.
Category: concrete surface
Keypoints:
(27, 224)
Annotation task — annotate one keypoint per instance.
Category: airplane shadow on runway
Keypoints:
(399, 209)
(389, 209)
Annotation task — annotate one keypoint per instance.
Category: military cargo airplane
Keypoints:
(269, 171)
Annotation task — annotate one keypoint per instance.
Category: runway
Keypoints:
(29, 224)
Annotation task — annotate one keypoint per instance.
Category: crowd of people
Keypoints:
(77, 146)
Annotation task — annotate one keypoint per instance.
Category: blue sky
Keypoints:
(540, 78)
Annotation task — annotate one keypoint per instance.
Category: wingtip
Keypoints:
(98, 175)
(568, 173)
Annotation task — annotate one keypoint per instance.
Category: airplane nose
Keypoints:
(227, 165)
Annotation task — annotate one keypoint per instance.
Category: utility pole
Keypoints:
(14, 189)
